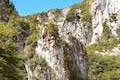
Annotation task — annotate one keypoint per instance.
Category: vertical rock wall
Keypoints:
(48, 48)
(105, 10)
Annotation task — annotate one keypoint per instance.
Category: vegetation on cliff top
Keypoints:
(84, 14)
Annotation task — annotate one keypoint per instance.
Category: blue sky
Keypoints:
(27, 7)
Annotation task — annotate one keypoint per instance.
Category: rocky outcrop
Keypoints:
(76, 51)
(57, 64)
(81, 30)
(69, 61)
(48, 49)
(103, 10)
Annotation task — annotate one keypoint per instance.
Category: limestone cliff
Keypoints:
(65, 44)
(57, 57)
(106, 24)
(77, 27)
(103, 10)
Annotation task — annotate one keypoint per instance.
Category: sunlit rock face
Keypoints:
(69, 61)
(79, 29)
(4, 10)
(58, 57)
(48, 48)
(105, 10)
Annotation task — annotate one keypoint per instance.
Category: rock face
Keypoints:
(49, 49)
(80, 30)
(4, 10)
(69, 60)
(105, 10)
(78, 54)
(57, 64)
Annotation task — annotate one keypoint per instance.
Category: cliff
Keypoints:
(108, 10)
(91, 24)
(80, 42)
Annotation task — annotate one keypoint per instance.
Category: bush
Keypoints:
(53, 29)
(106, 31)
(33, 33)
(8, 30)
(9, 49)
(110, 75)
(85, 11)
(32, 39)
(71, 16)
(102, 46)
(42, 62)
(104, 67)
(10, 68)
(57, 12)
(118, 32)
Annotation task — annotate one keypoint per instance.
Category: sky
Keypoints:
(28, 7)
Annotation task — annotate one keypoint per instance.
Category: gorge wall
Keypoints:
(105, 10)
(76, 33)
(56, 45)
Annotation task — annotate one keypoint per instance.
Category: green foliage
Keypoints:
(28, 53)
(85, 11)
(9, 66)
(62, 42)
(103, 45)
(104, 67)
(23, 25)
(106, 42)
(42, 14)
(42, 62)
(71, 16)
(110, 75)
(14, 30)
(58, 12)
(11, 9)
(85, 7)
(7, 30)
(118, 32)
(106, 31)
(53, 29)
(72, 13)
(32, 38)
